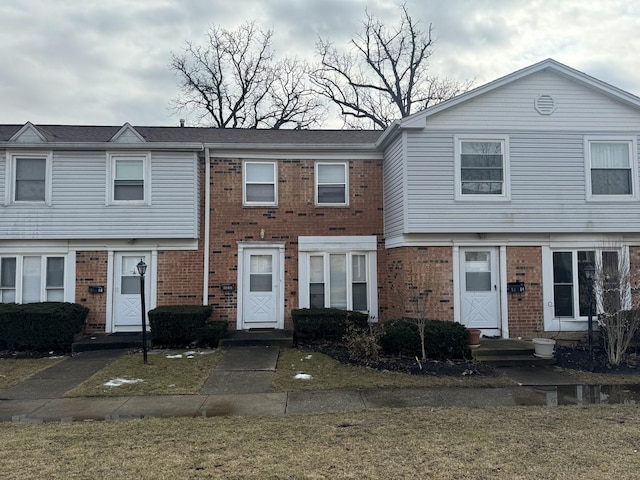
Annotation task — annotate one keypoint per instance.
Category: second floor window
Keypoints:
(481, 167)
(128, 181)
(611, 168)
(31, 175)
(260, 183)
(332, 184)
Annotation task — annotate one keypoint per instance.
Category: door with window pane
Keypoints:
(127, 308)
(480, 296)
(261, 290)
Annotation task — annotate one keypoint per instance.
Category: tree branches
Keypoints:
(386, 78)
(233, 81)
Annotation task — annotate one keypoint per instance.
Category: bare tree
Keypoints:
(387, 77)
(234, 81)
(617, 297)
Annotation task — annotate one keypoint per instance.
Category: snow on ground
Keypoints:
(303, 376)
(308, 357)
(118, 382)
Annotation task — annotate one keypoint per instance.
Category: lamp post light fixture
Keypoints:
(589, 272)
(142, 269)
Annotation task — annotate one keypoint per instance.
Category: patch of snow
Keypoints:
(308, 357)
(118, 382)
(190, 356)
(179, 355)
(303, 376)
(190, 353)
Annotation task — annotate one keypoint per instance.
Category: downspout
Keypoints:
(207, 221)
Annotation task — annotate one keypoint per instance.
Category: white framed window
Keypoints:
(611, 168)
(32, 278)
(570, 285)
(482, 168)
(28, 178)
(128, 178)
(260, 183)
(332, 184)
(338, 272)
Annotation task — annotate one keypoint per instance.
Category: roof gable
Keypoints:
(29, 133)
(127, 134)
(418, 120)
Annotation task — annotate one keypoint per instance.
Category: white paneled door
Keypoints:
(261, 288)
(480, 292)
(126, 292)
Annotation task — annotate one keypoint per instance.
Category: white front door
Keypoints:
(261, 294)
(127, 314)
(480, 292)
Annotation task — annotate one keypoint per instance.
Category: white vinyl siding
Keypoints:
(80, 191)
(32, 278)
(611, 169)
(332, 183)
(260, 183)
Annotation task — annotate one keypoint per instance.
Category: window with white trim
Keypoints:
(29, 177)
(338, 272)
(32, 278)
(129, 178)
(482, 168)
(570, 286)
(260, 183)
(610, 167)
(332, 183)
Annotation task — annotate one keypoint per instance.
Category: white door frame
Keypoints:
(243, 247)
(501, 282)
(150, 283)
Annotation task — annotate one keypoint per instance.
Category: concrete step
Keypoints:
(108, 341)
(255, 338)
(515, 360)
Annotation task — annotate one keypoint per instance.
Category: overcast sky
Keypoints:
(104, 62)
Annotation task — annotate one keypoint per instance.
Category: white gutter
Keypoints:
(207, 221)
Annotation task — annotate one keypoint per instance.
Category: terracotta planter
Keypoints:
(474, 337)
(544, 347)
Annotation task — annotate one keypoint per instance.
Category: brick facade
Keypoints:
(524, 264)
(294, 216)
(91, 270)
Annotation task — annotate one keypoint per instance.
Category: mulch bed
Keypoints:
(577, 358)
(451, 368)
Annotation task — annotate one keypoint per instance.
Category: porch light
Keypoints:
(142, 269)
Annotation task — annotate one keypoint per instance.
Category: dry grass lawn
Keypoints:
(160, 376)
(501, 443)
(14, 371)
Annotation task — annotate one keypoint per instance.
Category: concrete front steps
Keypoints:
(108, 341)
(508, 352)
(258, 338)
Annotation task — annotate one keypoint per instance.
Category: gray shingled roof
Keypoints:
(91, 134)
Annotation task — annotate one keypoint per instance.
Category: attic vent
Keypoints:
(545, 104)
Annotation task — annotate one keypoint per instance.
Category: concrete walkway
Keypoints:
(241, 385)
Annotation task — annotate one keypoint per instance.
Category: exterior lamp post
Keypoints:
(142, 269)
(589, 272)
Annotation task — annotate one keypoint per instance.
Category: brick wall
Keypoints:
(179, 277)
(414, 270)
(296, 215)
(91, 270)
(526, 316)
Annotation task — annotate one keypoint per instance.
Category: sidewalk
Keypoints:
(241, 385)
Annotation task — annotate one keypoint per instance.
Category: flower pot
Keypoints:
(474, 337)
(544, 347)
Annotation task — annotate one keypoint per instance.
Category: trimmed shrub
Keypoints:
(211, 333)
(362, 344)
(443, 340)
(41, 326)
(177, 325)
(322, 323)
